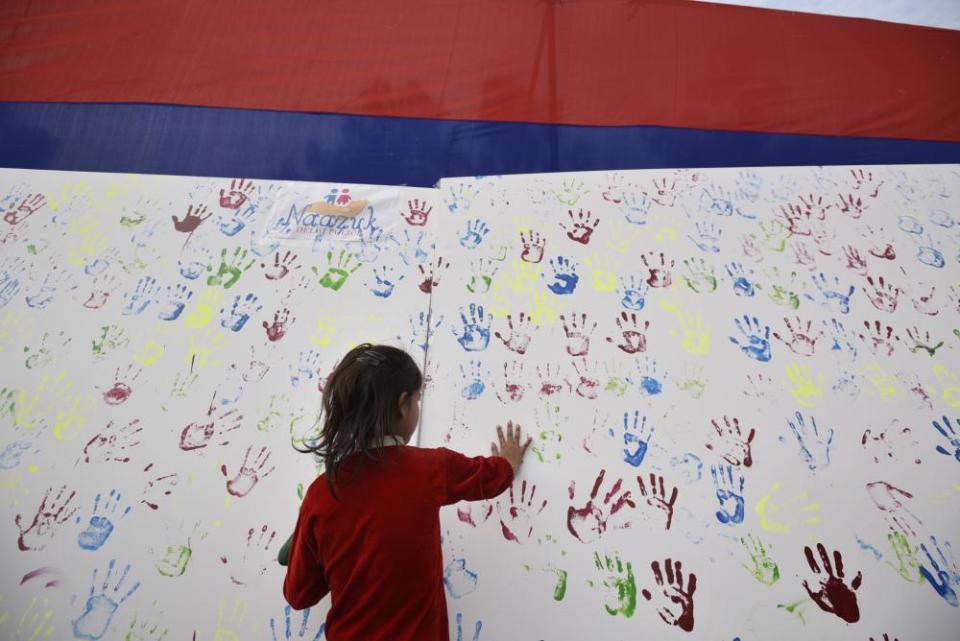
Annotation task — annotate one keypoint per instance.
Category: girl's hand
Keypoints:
(510, 447)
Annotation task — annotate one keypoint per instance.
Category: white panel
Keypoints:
(777, 344)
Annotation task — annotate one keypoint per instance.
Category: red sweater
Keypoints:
(377, 549)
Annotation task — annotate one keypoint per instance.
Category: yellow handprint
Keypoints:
(35, 624)
(696, 335)
(324, 331)
(546, 308)
(202, 314)
(805, 388)
(522, 278)
(198, 355)
(602, 278)
(950, 383)
(766, 510)
(884, 383)
(237, 617)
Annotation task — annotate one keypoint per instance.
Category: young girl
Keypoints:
(369, 527)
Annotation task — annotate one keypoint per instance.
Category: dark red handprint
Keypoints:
(432, 278)
(27, 207)
(581, 226)
(111, 444)
(656, 496)
(660, 274)
(281, 323)
(239, 192)
(729, 442)
(533, 245)
(516, 521)
(191, 219)
(281, 266)
(674, 595)
(882, 294)
(517, 339)
(577, 333)
(417, 213)
(633, 333)
(51, 514)
(833, 596)
(591, 521)
(249, 474)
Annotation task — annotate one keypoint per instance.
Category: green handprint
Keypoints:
(764, 569)
(782, 292)
(907, 565)
(8, 404)
(336, 275)
(229, 272)
(111, 337)
(700, 276)
(560, 589)
(482, 273)
(621, 587)
(145, 630)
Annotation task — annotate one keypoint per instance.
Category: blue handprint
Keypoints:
(233, 226)
(634, 293)
(651, 381)
(177, 299)
(10, 455)
(193, 269)
(240, 312)
(473, 385)
(834, 298)
(947, 572)
(9, 286)
(564, 274)
(474, 336)
(476, 628)
(729, 494)
(707, 238)
(384, 282)
(139, 299)
(99, 608)
(814, 446)
(929, 254)
(743, 284)
(288, 627)
(422, 328)
(910, 225)
(636, 438)
(458, 579)
(476, 231)
(757, 343)
(689, 465)
(953, 440)
(636, 205)
(101, 527)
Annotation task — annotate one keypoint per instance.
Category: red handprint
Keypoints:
(581, 226)
(833, 596)
(517, 520)
(111, 443)
(880, 339)
(730, 443)
(417, 213)
(855, 260)
(550, 381)
(660, 275)
(801, 340)
(633, 335)
(198, 435)
(281, 323)
(851, 205)
(27, 207)
(884, 295)
(281, 266)
(533, 245)
(432, 279)
(191, 219)
(50, 515)
(591, 521)
(518, 338)
(578, 336)
(656, 496)
(674, 594)
(249, 475)
(239, 193)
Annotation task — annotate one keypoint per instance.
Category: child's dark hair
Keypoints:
(360, 404)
